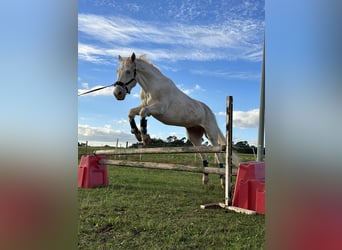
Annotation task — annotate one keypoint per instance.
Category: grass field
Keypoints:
(155, 209)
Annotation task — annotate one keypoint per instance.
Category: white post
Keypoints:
(260, 151)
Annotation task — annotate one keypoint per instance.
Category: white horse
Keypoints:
(164, 101)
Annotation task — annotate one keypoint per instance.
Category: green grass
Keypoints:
(155, 209)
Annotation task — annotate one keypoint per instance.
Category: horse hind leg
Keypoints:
(221, 165)
(143, 131)
(213, 138)
(195, 135)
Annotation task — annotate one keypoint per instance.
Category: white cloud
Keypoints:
(189, 91)
(198, 87)
(122, 121)
(244, 119)
(231, 40)
(229, 74)
(104, 135)
(85, 85)
(91, 53)
(136, 95)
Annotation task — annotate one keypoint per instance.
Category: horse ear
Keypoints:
(120, 58)
(133, 57)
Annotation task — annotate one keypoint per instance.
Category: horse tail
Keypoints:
(222, 141)
(211, 117)
(221, 138)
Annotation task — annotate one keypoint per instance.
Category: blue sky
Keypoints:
(210, 49)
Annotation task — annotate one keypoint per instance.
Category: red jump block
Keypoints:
(249, 190)
(91, 173)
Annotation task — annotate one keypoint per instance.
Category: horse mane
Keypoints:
(143, 58)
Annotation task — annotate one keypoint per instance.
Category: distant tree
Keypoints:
(154, 142)
(243, 147)
(188, 143)
(171, 138)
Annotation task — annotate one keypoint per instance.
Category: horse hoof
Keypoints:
(138, 137)
(223, 182)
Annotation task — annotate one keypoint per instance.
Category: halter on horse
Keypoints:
(164, 101)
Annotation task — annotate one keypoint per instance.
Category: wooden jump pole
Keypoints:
(166, 150)
(164, 166)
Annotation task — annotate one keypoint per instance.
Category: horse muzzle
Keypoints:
(119, 93)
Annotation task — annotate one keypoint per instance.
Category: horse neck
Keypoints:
(149, 77)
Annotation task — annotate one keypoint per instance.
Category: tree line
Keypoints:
(173, 141)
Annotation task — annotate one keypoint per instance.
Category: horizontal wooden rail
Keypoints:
(166, 150)
(165, 166)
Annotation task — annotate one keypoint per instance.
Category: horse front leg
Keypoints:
(134, 129)
(154, 109)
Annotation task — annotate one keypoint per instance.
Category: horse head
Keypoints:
(126, 77)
